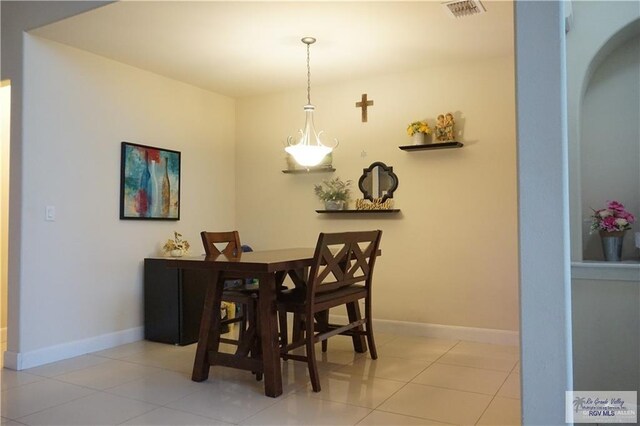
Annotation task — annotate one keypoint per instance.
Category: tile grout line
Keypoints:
(457, 390)
(494, 397)
(433, 363)
(414, 417)
(403, 386)
(53, 406)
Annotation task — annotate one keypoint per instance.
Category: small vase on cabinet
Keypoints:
(176, 253)
(612, 245)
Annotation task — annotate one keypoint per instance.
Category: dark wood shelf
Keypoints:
(358, 211)
(439, 145)
(311, 170)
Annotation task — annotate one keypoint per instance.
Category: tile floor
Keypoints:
(415, 381)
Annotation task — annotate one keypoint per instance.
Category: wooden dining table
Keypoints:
(270, 267)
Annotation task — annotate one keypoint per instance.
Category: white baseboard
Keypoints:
(24, 360)
(454, 332)
(3, 335)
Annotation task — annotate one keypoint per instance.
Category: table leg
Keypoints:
(269, 335)
(299, 278)
(353, 311)
(209, 337)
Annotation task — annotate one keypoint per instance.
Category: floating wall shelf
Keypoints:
(439, 145)
(311, 170)
(358, 211)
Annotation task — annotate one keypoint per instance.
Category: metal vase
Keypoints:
(612, 245)
(333, 205)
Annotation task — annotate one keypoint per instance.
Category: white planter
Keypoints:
(176, 253)
(418, 138)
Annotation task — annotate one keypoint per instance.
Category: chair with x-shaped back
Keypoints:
(247, 298)
(341, 274)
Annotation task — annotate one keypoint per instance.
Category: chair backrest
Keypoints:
(343, 259)
(231, 238)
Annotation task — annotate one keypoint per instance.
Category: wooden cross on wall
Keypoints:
(364, 103)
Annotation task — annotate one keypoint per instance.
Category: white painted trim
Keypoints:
(544, 245)
(24, 360)
(609, 271)
(3, 335)
(454, 332)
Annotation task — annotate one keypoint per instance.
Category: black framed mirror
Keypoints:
(378, 182)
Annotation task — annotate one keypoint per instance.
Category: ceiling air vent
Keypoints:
(462, 8)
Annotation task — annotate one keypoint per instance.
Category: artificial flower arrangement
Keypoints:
(418, 127)
(333, 190)
(613, 218)
(177, 243)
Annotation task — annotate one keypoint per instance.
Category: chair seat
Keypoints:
(296, 297)
(243, 296)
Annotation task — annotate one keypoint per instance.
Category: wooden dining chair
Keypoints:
(341, 274)
(247, 298)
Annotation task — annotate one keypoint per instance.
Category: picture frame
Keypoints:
(149, 182)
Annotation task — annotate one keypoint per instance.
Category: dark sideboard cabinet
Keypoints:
(173, 301)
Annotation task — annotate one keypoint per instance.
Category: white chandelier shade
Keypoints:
(309, 150)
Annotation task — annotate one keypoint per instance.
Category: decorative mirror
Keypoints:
(378, 182)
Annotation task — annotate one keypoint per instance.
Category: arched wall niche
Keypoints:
(599, 27)
(609, 134)
(623, 35)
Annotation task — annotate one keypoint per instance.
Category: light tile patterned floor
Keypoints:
(415, 381)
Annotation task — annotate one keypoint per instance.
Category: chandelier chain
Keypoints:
(308, 78)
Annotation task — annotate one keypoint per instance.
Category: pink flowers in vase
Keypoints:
(613, 218)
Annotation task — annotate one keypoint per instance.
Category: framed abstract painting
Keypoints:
(149, 183)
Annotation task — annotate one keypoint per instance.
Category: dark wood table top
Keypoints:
(254, 261)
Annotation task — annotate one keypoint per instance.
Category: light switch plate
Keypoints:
(50, 213)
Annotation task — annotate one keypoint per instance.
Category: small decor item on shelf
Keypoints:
(449, 124)
(335, 193)
(445, 127)
(176, 247)
(612, 222)
(376, 204)
(417, 130)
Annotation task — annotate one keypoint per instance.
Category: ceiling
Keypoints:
(244, 48)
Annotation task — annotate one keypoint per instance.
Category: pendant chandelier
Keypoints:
(308, 150)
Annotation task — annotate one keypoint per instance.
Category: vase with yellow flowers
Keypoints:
(417, 130)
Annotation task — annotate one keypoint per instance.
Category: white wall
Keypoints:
(610, 142)
(606, 342)
(82, 274)
(450, 257)
(16, 18)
